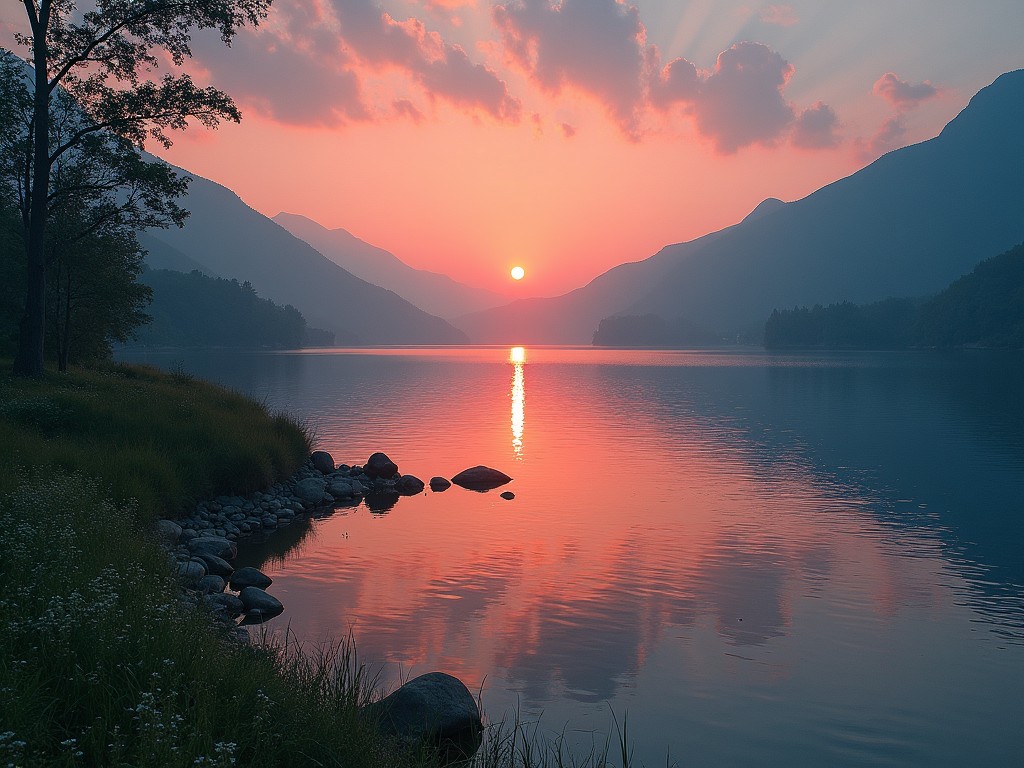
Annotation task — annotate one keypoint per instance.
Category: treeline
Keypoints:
(984, 308)
(194, 310)
(651, 331)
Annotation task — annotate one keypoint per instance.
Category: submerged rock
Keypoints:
(481, 478)
(323, 462)
(379, 465)
(381, 500)
(434, 711)
(508, 495)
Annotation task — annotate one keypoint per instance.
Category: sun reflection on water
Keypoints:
(517, 356)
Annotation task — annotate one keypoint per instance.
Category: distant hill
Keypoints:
(652, 331)
(229, 238)
(982, 309)
(907, 224)
(159, 255)
(193, 310)
(430, 291)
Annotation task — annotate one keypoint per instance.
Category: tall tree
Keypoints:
(101, 59)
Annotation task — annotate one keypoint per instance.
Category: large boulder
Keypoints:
(435, 711)
(481, 478)
(218, 566)
(249, 577)
(259, 605)
(340, 489)
(223, 604)
(379, 465)
(323, 462)
(168, 531)
(310, 490)
(217, 546)
(410, 485)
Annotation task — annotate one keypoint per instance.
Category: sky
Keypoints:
(568, 136)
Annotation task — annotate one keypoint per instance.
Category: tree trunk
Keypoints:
(29, 359)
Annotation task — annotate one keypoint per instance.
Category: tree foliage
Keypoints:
(194, 310)
(984, 308)
(92, 97)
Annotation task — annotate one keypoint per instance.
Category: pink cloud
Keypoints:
(444, 70)
(405, 108)
(902, 94)
(741, 102)
(815, 128)
(778, 15)
(594, 46)
(568, 131)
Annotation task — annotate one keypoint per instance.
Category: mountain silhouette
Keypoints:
(905, 225)
(432, 292)
(230, 239)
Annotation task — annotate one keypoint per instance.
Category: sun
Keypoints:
(518, 273)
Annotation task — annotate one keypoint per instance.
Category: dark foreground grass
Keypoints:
(162, 440)
(102, 660)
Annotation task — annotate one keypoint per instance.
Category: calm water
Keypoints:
(759, 559)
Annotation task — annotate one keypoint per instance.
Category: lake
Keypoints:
(752, 558)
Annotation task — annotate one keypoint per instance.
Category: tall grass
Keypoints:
(163, 440)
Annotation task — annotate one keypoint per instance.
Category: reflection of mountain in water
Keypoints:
(935, 440)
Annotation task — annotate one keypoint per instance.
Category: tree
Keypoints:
(91, 95)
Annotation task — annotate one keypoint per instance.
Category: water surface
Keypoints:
(796, 560)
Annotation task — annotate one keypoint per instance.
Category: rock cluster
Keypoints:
(434, 710)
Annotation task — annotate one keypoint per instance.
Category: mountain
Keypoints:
(230, 239)
(160, 255)
(907, 224)
(430, 291)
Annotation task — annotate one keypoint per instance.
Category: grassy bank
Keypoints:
(102, 661)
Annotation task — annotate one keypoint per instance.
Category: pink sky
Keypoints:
(467, 136)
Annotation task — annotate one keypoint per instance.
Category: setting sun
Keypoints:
(518, 273)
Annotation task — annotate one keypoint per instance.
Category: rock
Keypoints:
(210, 584)
(439, 484)
(249, 577)
(190, 570)
(340, 489)
(217, 546)
(216, 565)
(310, 490)
(434, 710)
(508, 495)
(323, 462)
(410, 485)
(168, 531)
(481, 478)
(255, 600)
(223, 603)
(379, 465)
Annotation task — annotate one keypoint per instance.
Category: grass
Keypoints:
(103, 660)
(163, 440)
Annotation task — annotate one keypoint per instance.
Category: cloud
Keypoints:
(815, 128)
(568, 131)
(444, 70)
(599, 47)
(778, 15)
(741, 102)
(594, 46)
(291, 69)
(900, 93)
(889, 136)
(310, 62)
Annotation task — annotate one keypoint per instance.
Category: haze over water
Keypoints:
(792, 560)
